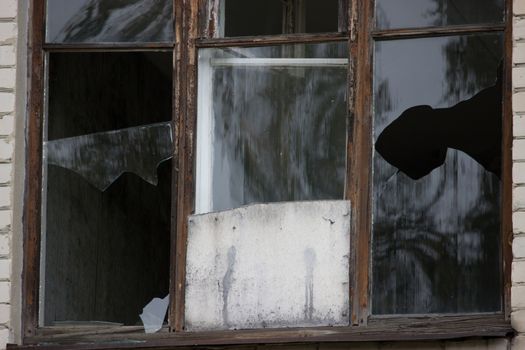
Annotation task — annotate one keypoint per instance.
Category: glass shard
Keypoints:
(101, 158)
(109, 21)
(436, 186)
(271, 125)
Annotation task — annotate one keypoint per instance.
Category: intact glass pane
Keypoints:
(428, 13)
(436, 175)
(107, 186)
(272, 17)
(109, 21)
(271, 125)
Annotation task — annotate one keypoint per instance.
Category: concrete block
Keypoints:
(517, 297)
(518, 247)
(8, 8)
(7, 55)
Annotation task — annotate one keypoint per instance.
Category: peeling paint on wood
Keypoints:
(269, 265)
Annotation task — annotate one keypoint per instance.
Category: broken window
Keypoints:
(109, 21)
(264, 168)
(107, 198)
(271, 17)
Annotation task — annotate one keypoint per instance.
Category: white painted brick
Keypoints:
(7, 31)
(8, 78)
(518, 31)
(5, 219)
(518, 198)
(518, 126)
(7, 125)
(517, 319)
(6, 149)
(517, 297)
(8, 8)
(5, 310)
(5, 269)
(7, 55)
(518, 77)
(5, 172)
(518, 149)
(4, 244)
(7, 102)
(466, 345)
(5, 196)
(518, 173)
(518, 222)
(497, 344)
(518, 53)
(518, 343)
(4, 337)
(5, 292)
(518, 272)
(518, 101)
(518, 247)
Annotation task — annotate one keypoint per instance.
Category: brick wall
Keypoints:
(8, 35)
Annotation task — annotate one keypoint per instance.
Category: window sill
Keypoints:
(379, 329)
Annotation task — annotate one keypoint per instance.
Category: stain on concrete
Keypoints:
(309, 259)
(227, 283)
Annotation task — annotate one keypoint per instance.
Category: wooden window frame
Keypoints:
(195, 23)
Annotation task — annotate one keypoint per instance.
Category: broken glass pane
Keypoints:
(436, 182)
(109, 21)
(429, 13)
(101, 158)
(107, 127)
(271, 125)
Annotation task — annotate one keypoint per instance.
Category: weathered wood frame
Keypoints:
(196, 23)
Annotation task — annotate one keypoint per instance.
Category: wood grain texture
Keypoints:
(407, 33)
(394, 329)
(33, 180)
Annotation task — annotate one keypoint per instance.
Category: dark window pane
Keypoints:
(436, 182)
(272, 17)
(109, 21)
(106, 219)
(271, 125)
(427, 13)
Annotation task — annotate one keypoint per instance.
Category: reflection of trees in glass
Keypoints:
(436, 245)
(452, 12)
(119, 20)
